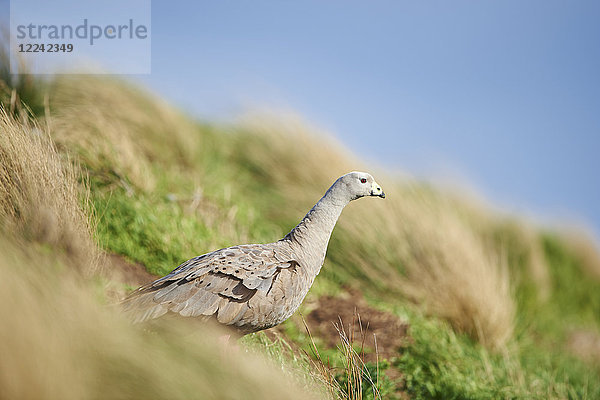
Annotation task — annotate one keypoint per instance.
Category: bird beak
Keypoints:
(376, 190)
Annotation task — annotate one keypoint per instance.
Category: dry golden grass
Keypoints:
(300, 161)
(586, 247)
(452, 274)
(503, 233)
(39, 193)
(525, 243)
(118, 129)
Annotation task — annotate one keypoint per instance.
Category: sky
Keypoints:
(500, 96)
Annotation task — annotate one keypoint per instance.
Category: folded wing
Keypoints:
(218, 284)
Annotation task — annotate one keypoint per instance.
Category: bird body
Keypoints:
(255, 286)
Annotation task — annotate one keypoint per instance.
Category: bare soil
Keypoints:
(352, 313)
(127, 272)
(121, 272)
(585, 344)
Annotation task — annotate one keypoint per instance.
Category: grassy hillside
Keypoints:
(494, 308)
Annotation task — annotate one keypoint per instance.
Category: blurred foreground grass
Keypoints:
(492, 303)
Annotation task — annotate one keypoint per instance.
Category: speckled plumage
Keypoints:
(255, 286)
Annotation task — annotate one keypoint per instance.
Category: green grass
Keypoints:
(295, 365)
(443, 365)
(576, 297)
(147, 229)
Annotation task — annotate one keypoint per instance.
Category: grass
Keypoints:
(352, 379)
(443, 365)
(295, 366)
(39, 193)
(491, 301)
(20, 94)
(457, 278)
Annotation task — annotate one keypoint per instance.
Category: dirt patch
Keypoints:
(391, 332)
(126, 272)
(585, 345)
(121, 272)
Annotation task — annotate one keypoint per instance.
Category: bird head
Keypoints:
(360, 184)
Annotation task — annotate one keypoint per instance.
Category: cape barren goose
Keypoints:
(255, 286)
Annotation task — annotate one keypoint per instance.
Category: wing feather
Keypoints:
(200, 302)
(228, 311)
(218, 284)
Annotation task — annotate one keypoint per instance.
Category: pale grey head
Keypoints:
(355, 185)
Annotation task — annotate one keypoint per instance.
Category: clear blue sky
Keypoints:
(502, 94)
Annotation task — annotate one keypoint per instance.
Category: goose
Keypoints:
(254, 286)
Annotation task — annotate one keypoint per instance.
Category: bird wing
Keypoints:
(219, 283)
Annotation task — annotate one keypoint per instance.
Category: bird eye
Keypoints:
(363, 180)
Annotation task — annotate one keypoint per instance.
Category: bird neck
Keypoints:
(311, 236)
